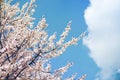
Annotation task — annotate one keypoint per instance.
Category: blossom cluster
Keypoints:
(25, 49)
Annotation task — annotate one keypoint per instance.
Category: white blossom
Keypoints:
(25, 49)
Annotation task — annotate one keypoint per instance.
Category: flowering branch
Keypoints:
(25, 49)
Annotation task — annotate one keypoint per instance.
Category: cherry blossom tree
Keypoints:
(25, 49)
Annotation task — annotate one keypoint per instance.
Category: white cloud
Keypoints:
(103, 40)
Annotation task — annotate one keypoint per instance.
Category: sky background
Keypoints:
(97, 55)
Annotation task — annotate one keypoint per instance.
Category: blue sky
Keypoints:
(97, 55)
(58, 13)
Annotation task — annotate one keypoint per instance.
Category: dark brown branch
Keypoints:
(15, 53)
